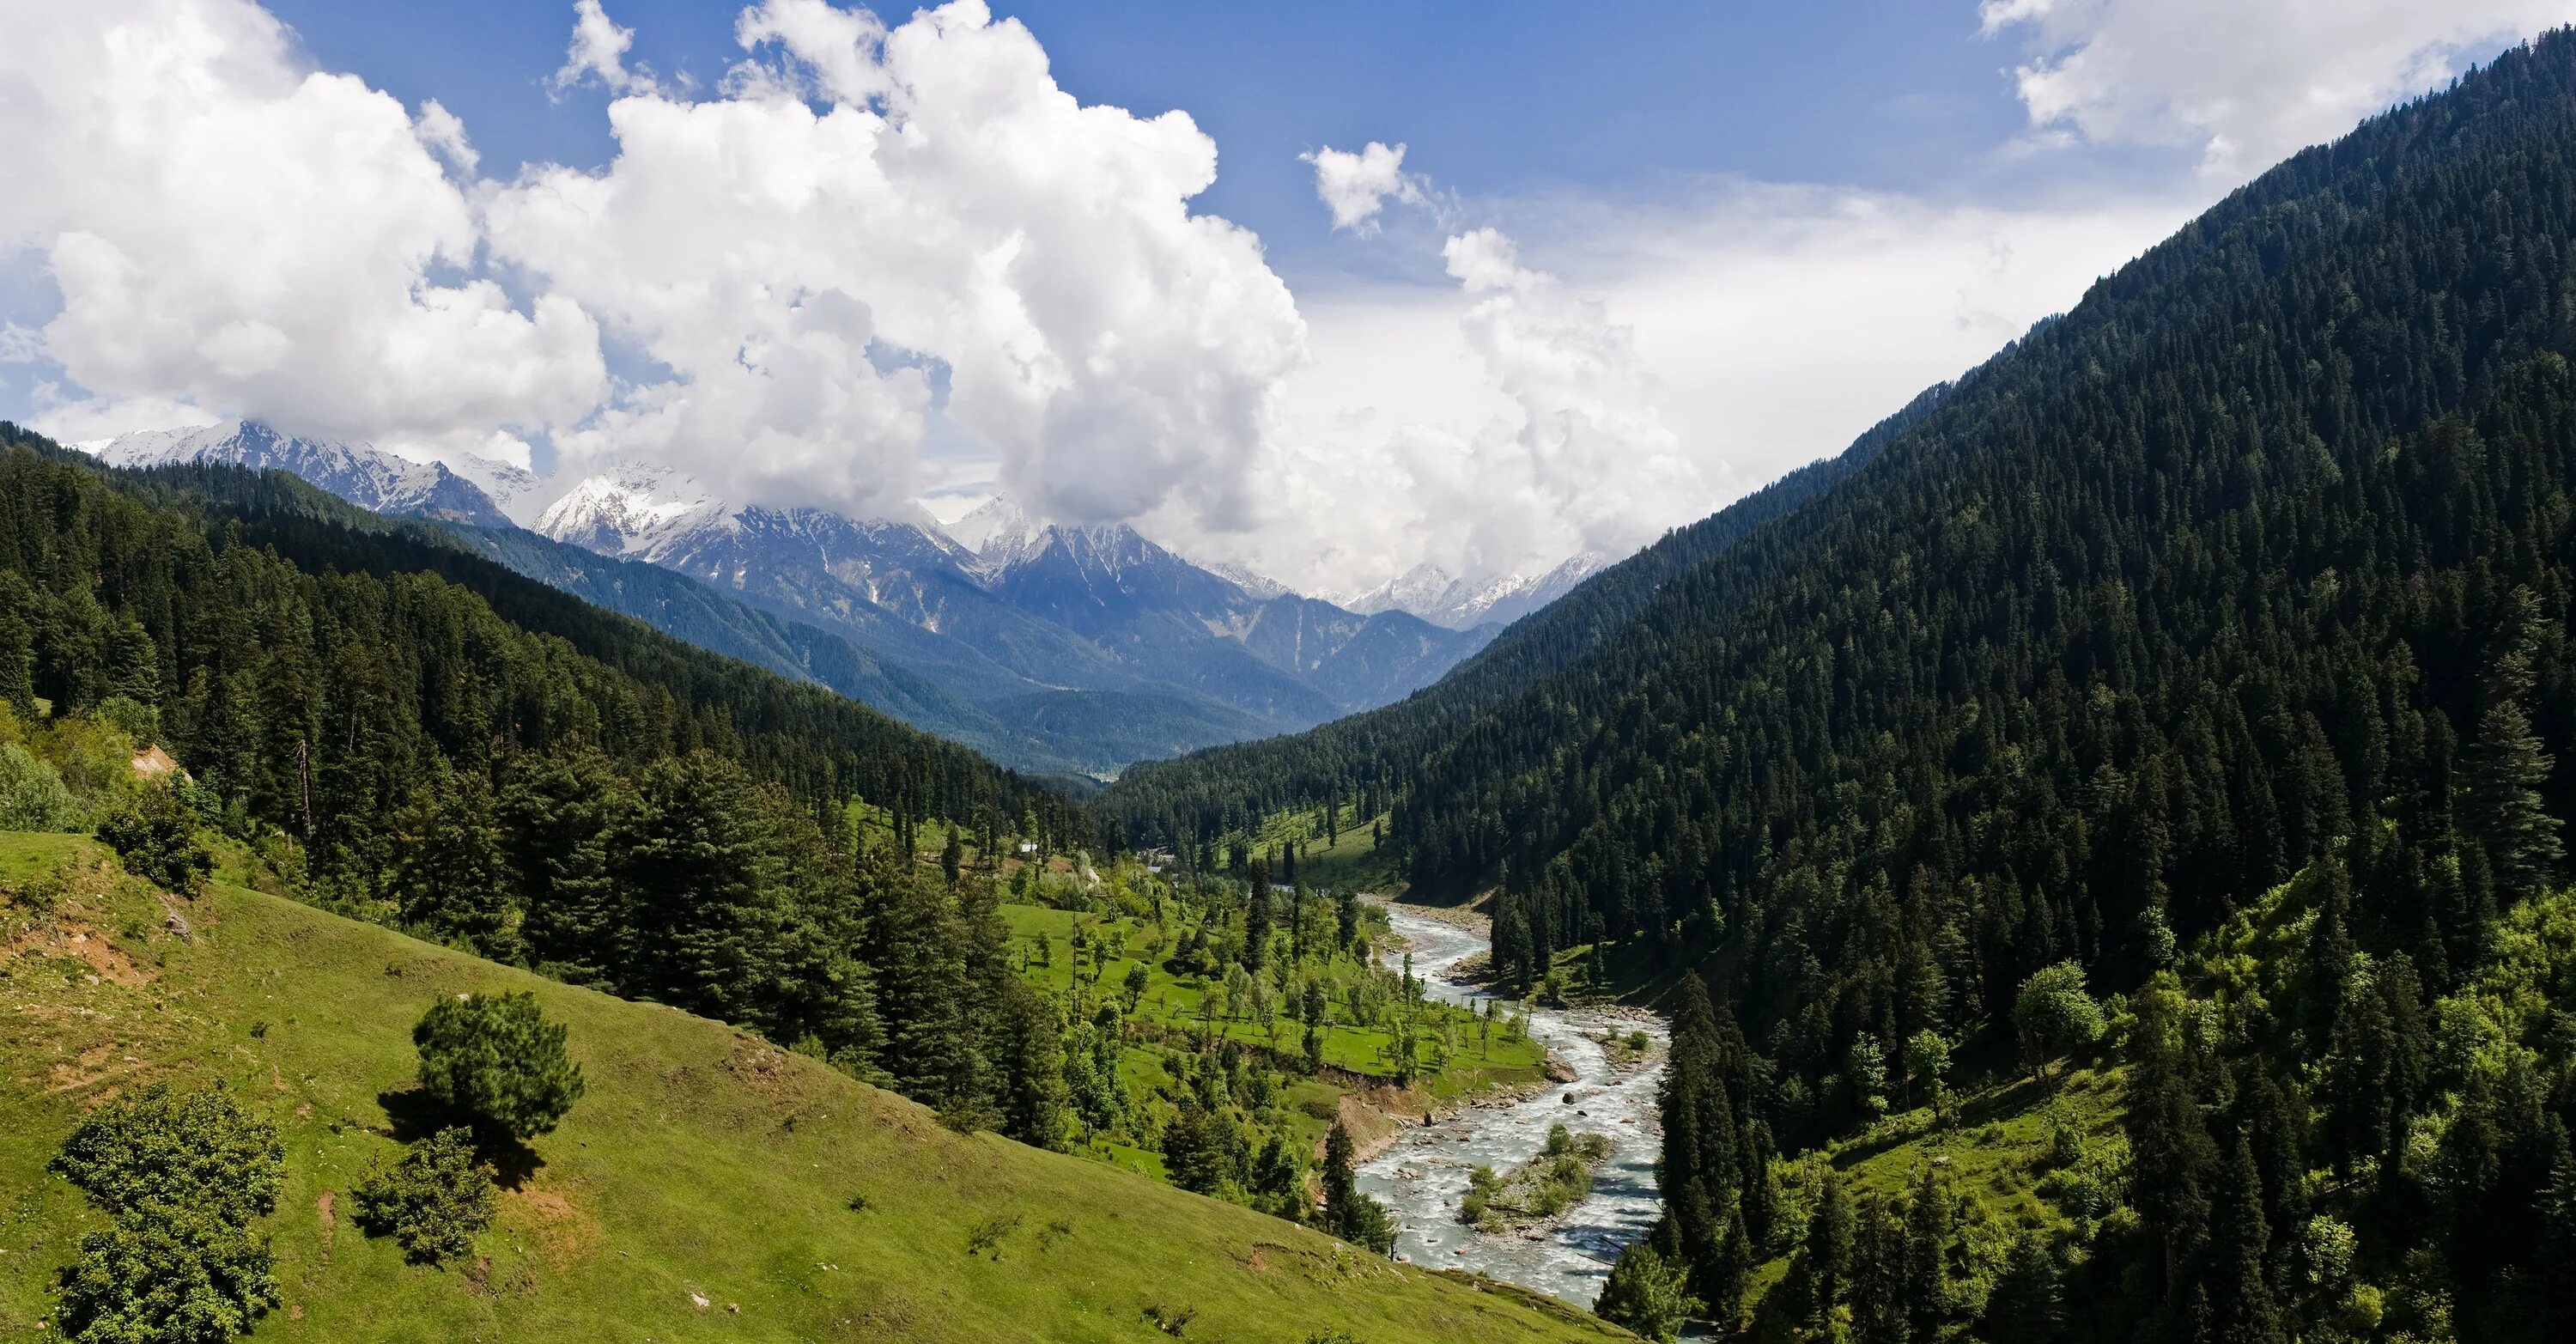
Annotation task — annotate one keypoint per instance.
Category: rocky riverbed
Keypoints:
(1422, 1175)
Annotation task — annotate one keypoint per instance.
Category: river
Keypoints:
(1423, 1177)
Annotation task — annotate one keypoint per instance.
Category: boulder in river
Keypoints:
(1558, 1071)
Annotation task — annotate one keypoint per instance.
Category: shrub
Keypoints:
(155, 832)
(987, 1235)
(175, 1278)
(33, 796)
(131, 717)
(432, 1202)
(181, 1176)
(163, 1151)
(1645, 1293)
(496, 1059)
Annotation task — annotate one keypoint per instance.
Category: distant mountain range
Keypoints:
(364, 476)
(1435, 595)
(1054, 648)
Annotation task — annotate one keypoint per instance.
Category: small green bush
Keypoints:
(156, 833)
(175, 1278)
(164, 1151)
(987, 1235)
(33, 796)
(496, 1059)
(433, 1201)
(181, 1175)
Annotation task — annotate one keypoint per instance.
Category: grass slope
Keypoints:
(1359, 1060)
(2032, 1154)
(703, 1163)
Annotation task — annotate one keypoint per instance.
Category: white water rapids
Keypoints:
(1423, 1177)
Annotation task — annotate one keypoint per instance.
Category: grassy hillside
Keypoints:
(703, 1164)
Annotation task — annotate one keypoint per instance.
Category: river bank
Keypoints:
(1421, 1171)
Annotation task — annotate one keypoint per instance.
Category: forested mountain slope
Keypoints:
(1225, 788)
(2262, 550)
(256, 614)
(485, 760)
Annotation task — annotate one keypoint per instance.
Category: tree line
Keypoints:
(599, 802)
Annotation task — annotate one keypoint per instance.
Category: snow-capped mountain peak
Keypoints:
(631, 509)
(367, 477)
(1000, 533)
(1435, 595)
(1250, 580)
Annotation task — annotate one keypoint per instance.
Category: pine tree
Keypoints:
(1256, 929)
(1830, 1235)
(1033, 1067)
(450, 875)
(2173, 1163)
(2506, 766)
(1348, 1212)
(561, 816)
(2240, 1248)
(2556, 1290)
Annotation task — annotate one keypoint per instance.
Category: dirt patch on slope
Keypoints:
(563, 1233)
(78, 940)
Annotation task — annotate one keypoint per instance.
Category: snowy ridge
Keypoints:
(1259, 585)
(367, 477)
(1433, 594)
(630, 510)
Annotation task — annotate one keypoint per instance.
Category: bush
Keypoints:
(163, 1151)
(170, 1279)
(181, 1176)
(131, 717)
(1645, 1293)
(155, 832)
(33, 796)
(432, 1202)
(496, 1059)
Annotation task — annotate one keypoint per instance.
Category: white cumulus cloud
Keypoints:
(867, 206)
(1356, 186)
(239, 235)
(1740, 330)
(1584, 433)
(2243, 84)
(598, 54)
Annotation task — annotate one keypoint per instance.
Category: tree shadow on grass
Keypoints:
(412, 1114)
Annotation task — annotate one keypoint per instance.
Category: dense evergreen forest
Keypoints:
(414, 735)
(2257, 564)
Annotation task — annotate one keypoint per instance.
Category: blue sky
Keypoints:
(1636, 258)
(1507, 99)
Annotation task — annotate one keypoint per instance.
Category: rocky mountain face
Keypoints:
(367, 477)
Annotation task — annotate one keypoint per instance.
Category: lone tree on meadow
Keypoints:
(2054, 1015)
(497, 1059)
(1927, 1059)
